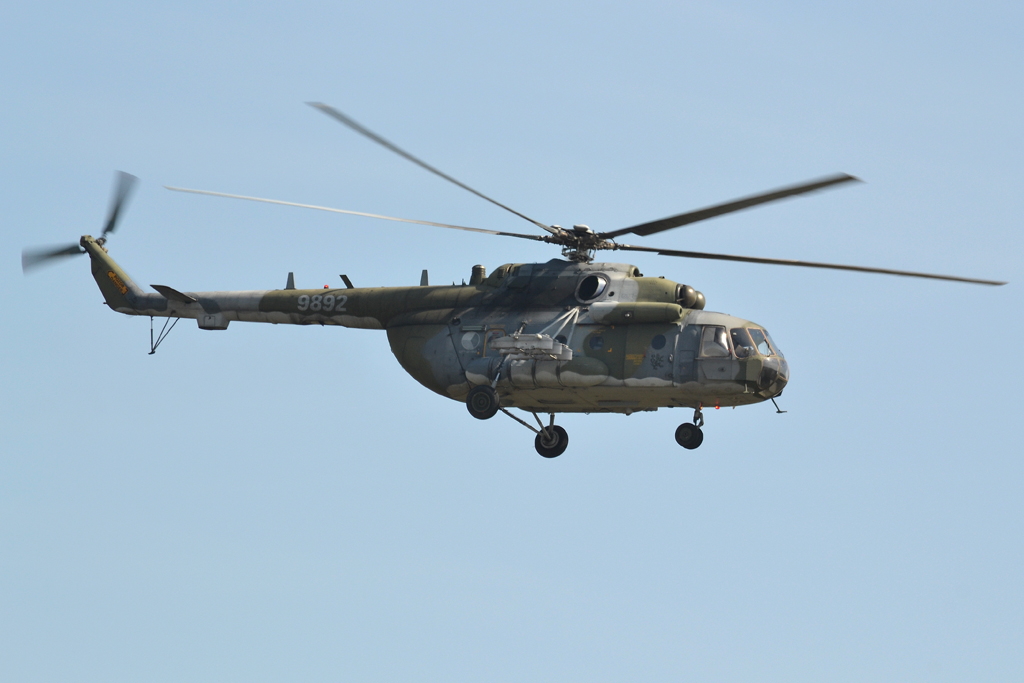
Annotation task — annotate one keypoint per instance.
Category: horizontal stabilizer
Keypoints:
(174, 295)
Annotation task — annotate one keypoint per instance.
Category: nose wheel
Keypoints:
(688, 435)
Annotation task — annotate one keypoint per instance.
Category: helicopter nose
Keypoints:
(774, 377)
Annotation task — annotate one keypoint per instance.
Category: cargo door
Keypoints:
(684, 366)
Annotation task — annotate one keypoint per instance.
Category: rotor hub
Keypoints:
(579, 244)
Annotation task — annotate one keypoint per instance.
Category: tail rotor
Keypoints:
(35, 257)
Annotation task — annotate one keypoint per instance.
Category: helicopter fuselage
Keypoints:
(563, 336)
(548, 337)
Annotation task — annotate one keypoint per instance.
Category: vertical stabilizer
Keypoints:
(119, 290)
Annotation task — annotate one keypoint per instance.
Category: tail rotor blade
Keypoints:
(33, 258)
(38, 256)
(125, 184)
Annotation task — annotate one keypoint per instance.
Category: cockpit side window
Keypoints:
(741, 342)
(714, 343)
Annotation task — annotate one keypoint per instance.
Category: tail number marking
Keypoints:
(121, 286)
(326, 303)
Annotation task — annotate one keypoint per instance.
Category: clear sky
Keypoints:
(283, 503)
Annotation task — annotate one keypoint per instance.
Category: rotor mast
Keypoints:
(580, 244)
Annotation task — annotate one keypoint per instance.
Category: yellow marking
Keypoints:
(117, 281)
(637, 358)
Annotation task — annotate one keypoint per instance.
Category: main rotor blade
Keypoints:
(31, 258)
(334, 113)
(125, 183)
(804, 264)
(679, 220)
(359, 213)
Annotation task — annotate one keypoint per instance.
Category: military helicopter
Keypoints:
(566, 336)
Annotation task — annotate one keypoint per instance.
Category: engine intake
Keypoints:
(688, 297)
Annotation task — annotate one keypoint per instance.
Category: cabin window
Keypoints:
(658, 342)
(597, 342)
(714, 343)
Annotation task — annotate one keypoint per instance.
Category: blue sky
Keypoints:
(273, 503)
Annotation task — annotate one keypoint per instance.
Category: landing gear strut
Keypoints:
(690, 436)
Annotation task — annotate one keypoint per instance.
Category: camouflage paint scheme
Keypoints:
(634, 347)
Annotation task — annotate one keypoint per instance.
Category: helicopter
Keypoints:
(567, 336)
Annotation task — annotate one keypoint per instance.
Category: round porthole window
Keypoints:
(591, 287)
(658, 342)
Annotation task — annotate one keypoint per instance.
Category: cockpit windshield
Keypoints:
(775, 347)
(749, 341)
(760, 342)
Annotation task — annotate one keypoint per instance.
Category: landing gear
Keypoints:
(690, 436)
(482, 402)
(551, 441)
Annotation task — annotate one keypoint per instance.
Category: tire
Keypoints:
(552, 442)
(482, 402)
(689, 436)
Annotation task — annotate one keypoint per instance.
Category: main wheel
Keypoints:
(552, 441)
(689, 436)
(482, 402)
